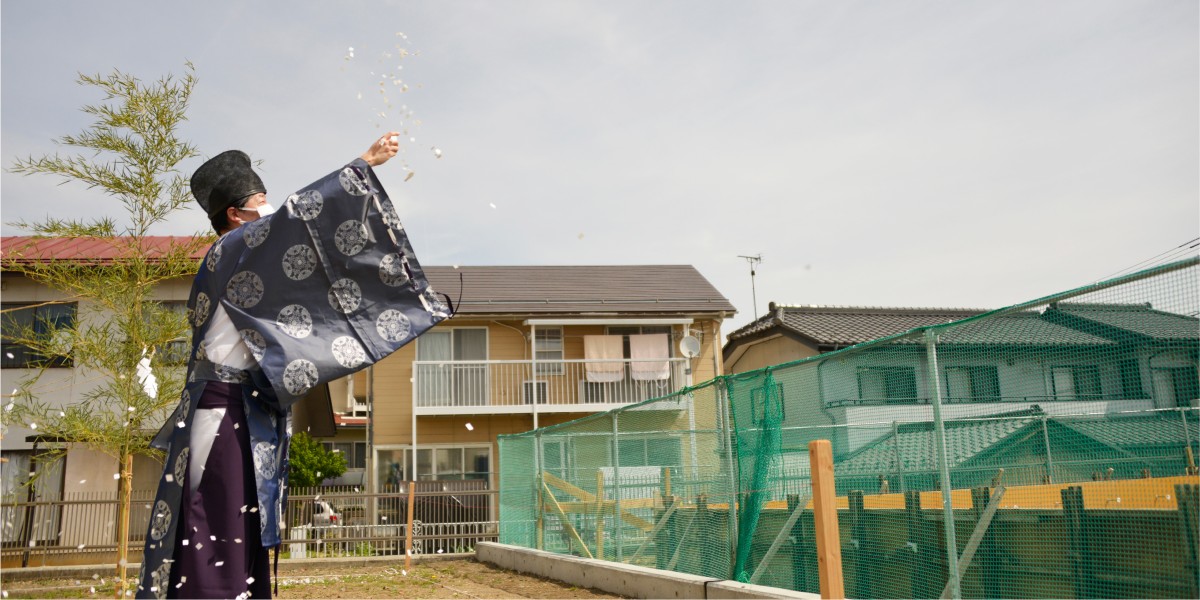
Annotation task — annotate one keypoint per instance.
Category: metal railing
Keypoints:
(447, 517)
(513, 383)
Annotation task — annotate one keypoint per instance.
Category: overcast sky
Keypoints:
(962, 153)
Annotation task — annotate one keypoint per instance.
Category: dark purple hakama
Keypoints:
(219, 552)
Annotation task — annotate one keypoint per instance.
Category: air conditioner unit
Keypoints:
(527, 391)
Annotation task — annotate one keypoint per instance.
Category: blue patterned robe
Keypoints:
(326, 286)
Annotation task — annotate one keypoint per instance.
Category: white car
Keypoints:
(324, 515)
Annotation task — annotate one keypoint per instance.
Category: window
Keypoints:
(649, 452)
(972, 384)
(447, 462)
(1131, 379)
(1178, 386)
(890, 384)
(355, 453)
(40, 320)
(759, 405)
(461, 384)
(176, 351)
(549, 347)
(1080, 382)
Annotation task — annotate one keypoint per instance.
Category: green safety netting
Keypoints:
(1052, 445)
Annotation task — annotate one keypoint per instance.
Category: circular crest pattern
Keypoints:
(214, 257)
(345, 295)
(350, 237)
(202, 350)
(295, 321)
(393, 326)
(348, 352)
(160, 580)
(388, 212)
(200, 313)
(181, 465)
(245, 289)
(299, 262)
(433, 302)
(264, 460)
(255, 343)
(393, 271)
(351, 182)
(161, 521)
(255, 232)
(306, 205)
(299, 376)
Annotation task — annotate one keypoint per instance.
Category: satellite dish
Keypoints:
(689, 346)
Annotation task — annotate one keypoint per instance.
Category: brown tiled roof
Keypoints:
(85, 250)
(849, 325)
(584, 289)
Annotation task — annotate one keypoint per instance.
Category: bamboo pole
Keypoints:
(408, 532)
(829, 549)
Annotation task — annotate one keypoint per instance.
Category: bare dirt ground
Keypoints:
(441, 579)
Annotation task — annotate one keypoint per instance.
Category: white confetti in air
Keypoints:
(10, 355)
(384, 518)
(33, 544)
(255, 509)
(95, 576)
(492, 204)
(219, 563)
(185, 542)
(243, 508)
(62, 414)
(437, 152)
(92, 591)
(9, 406)
(237, 425)
(82, 481)
(410, 175)
(181, 424)
(179, 585)
(212, 537)
(470, 427)
(403, 572)
(254, 393)
(199, 545)
(116, 475)
(249, 580)
(237, 540)
(33, 425)
(183, 579)
(169, 477)
(130, 409)
(79, 547)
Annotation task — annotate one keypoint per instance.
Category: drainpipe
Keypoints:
(534, 376)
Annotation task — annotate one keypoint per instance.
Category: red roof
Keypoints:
(93, 250)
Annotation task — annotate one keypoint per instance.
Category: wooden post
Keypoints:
(988, 559)
(1187, 499)
(408, 537)
(600, 514)
(1083, 575)
(829, 548)
(863, 565)
(799, 544)
(921, 545)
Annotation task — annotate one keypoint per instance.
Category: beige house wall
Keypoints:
(774, 351)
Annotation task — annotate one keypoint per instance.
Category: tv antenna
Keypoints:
(753, 260)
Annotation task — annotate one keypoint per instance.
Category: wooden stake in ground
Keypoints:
(829, 549)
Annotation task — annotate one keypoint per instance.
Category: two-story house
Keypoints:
(532, 346)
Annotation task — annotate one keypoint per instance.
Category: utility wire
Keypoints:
(1173, 252)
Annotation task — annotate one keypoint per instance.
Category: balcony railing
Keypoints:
(562, 385)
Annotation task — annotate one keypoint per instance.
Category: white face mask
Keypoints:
(263, 210)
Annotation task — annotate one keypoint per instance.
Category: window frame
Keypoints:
(23, 357)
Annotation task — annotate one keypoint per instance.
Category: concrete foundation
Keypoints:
(617, 578)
